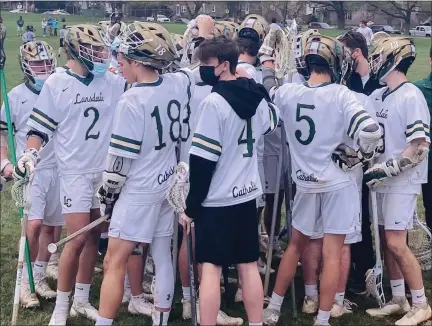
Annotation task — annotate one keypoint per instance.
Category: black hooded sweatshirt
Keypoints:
(244, 96)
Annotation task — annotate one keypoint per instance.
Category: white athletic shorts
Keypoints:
(135, 219)
(333, 212)
(78, 192)
(395, 211)
(45, 197)
(261, 199)
(270, 172)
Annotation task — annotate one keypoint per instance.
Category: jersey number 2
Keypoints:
(96, 118)
(310, 122)
(249, 141)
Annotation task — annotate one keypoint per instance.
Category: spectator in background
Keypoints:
(63, 20)
(20, 26)
(62, 33)
(44, 26)
(55, 26)
(274, 25)
(425, 85)
(2, 28)
(50, 25)
(365, 31)
(29, 35)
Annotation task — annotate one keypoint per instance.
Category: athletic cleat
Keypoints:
(59, 317)
(222, 319)
(187, 309)
(28, 299)
(239, 295)
(310, 306)
(317, 323)
(390, 308)
(52, 270)
(84, 309)
(97, 270)
(416, 315)
(127, 294)
(43, 289)
(340, 310)
(270, 316)
(140, 306)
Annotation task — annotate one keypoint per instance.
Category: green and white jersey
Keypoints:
(21, 102)
(317, 120)
(403, 116)
(222, 136)
(77, 113)
(150, 119)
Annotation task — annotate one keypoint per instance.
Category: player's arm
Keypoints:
(204, 154)
(417, 119)
(266, 56)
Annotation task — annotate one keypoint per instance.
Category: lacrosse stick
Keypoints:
(24, 248)
(272, 229)
(286, 158)
(374, 277)
(420, 243)
(176, 196)
(53, 247)
(284, 51)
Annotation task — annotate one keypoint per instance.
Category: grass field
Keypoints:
(10, 226)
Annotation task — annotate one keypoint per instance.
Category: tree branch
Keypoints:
(395, 15)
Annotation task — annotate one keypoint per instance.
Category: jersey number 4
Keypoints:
(308, 120)
(249, 141)
(95, 119)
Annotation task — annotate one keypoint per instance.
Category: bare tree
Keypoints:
(340, 7)
(284, 9)
(400, 9)
(193, 8)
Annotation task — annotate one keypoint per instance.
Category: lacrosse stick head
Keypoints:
(420, 243)
(374, 279)
(19, 193)
(179, 188)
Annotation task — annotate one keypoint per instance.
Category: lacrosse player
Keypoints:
(222, 197)
(141, 161)
(398, 173)
(37, 61)
(76, 109)
(320, 184)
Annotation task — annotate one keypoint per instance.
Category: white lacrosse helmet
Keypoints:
(300, 45)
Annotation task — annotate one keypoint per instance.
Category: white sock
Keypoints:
(398, 288)
(275, 302)
(54, 258)
(186, 292)
(39, 269)
(323, 317)
(82, 293)
(160, 318)
(62, 300)
(339, 298)
(418, 296)
(137, 297)
(311, 291)
(104, 235)
(100, 321)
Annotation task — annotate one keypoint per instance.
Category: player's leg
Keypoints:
(311, 265)
(41, 286)
(210, 297)
(268, 213)
(183, 264)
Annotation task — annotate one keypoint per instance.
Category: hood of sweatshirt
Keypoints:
(243, 95)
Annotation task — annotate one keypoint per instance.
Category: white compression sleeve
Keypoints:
(161, 253)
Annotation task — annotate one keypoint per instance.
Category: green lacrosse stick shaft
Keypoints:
(14, 160)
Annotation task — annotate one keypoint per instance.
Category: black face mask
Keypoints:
(208, 76)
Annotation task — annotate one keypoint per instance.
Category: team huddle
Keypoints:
(103, 136)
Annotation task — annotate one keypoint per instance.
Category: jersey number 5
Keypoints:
(95, 119)
(249, 141)
(310, 122)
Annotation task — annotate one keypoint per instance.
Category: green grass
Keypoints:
(10, 225)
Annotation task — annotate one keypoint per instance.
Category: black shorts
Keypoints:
(227, 235)
(61, 42)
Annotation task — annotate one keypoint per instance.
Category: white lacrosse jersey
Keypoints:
(403, 115)
(222, 136)
(77, 112)
(147, 126)
(316, 121)
(21, 102)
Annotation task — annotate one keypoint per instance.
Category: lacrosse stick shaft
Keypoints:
(175, 245)
(376, 226)
(273, 224)
(52, 247)
(14, 160)
(192, 278)
(288, 204)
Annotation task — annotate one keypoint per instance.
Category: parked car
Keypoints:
(150, 19)
(421, 31)
(316, 25)
(384, 28)
(19, 11)
(162, 19)
(60, 12)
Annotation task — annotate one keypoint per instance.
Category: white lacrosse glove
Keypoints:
(346, 158)
(266, 51)
(109, 191)
(369, 143)
(26, 164)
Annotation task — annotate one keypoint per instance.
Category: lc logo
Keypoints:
(67, 202)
